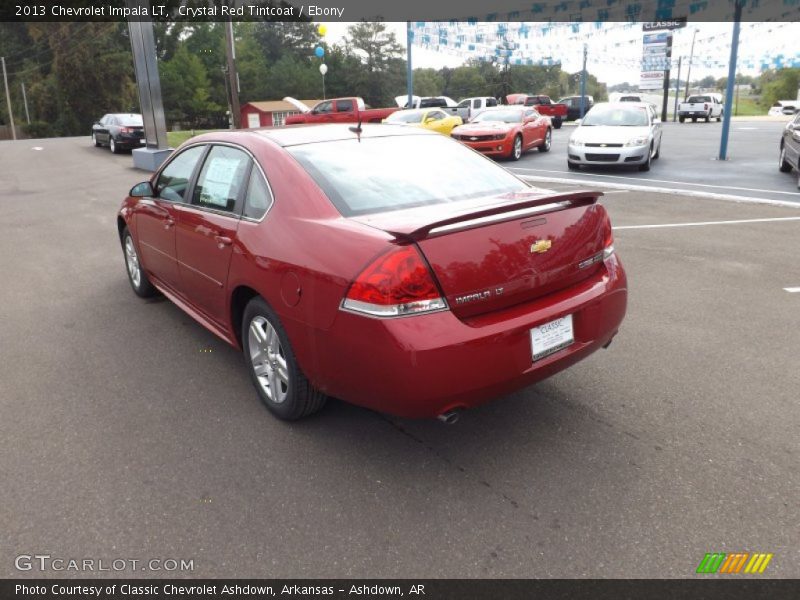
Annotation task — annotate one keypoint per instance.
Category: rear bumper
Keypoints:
(130, 141)
(583, 155)
(425, 365)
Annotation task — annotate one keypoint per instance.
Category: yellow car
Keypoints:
(434, 119)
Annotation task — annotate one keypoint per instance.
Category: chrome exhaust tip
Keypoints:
(450, 417)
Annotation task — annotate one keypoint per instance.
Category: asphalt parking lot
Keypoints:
(129, 431)
(688, 162)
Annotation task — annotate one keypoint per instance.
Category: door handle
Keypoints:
(169, 222)
(223, 240)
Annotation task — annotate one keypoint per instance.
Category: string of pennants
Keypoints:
(529, 43)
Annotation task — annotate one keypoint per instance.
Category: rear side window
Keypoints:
(221, 179)
(174, 179)
(491, 102)
(344, 106)
(390, 173)
(259, 197)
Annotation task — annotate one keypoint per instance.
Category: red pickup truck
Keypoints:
(545, 106)
(337, 110)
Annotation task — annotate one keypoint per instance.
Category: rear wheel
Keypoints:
(139, 282)
(721, 114)
(783, 165)
(681, 119)
(557, 122)
(694, 119)
(708, 118)
(112, 145)
(548, 141)
(516, 149)
(277, 377)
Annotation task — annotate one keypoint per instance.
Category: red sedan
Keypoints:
(388, 267)
(506, 131)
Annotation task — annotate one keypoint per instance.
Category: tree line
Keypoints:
(74, 73)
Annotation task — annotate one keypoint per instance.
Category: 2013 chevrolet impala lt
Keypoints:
(392, 268)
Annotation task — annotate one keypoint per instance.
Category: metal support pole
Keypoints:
(677, 91)
(233, 76)
(726, 117)
(583, 81)
(25, 102)
(665, 98)
(323, 87)
(409, 71)
(689, 71)
(8, 99)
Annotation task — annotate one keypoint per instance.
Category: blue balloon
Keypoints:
(319, 51)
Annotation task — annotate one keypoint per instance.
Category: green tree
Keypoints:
(780, 84)
(185, 88)
(427, 82)
(382, 74)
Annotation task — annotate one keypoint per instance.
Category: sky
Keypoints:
(614, 49)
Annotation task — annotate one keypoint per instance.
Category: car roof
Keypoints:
(295, 135)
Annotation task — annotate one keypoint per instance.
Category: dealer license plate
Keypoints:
(551, 337)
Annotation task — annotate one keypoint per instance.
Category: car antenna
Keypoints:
(357, 129)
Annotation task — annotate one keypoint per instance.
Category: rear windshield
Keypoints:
(131, 120)
(697, 99)
(392, 173)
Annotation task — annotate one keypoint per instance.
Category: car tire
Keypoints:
(658, 152)
(573, 166)
(516, 148)
(136, 276)
(548, 141)
(112, 145)
(721, 114)
(557, 122)
(94, 140)
(681, 119)
(277, 377)
(784, 166)
(694, 119)
(645, 166)
(708, 118)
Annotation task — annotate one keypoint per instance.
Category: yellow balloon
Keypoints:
(323, 29)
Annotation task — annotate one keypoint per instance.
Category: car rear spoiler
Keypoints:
(496, 214)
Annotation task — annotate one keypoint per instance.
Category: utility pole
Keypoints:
(666, 78)
(8, 99)
(25, 101)
(409, 71)
(689, 71)
(677, 90)
(583, 81)
(233, 76)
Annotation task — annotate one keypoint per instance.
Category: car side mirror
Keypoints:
(142, 190)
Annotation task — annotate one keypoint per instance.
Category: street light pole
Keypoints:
(409, 71)
(689, 71)
(8, 99)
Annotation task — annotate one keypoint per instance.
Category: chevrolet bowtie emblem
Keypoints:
(541, 246)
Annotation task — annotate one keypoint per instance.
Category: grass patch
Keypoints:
(747, 107)
(176, 138)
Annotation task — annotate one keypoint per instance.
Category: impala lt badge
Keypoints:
(541, 246)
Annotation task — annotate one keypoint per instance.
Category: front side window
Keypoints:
(221, 179)
(324, 107)
(174, 179)
(391, 173)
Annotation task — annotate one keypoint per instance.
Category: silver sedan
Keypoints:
(616, 133)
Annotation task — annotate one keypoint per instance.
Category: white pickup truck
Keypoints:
(703, 106)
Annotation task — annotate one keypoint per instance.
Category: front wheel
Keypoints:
(516, 149)
(139, 282)
(783, 165)
(277, 377)
(548, 141)
(94, 140)
(646, 165)
(573, 166)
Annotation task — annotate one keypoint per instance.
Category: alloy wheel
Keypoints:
(132, 261)
(517, 148)
(268, 359)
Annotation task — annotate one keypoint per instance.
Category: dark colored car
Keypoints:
(119, 131)
(574, 106)
(789, 157)
(390, 267)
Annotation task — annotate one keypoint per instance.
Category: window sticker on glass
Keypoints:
(218, 181)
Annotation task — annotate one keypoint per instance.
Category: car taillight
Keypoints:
(608, 244)
(125, 130)
(395, 284)
(705, 106)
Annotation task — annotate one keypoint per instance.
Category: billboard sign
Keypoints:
(661, 25)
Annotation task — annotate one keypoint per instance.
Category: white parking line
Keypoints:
(701, 223)
(664, 190)
(792, 290)
(704, 185)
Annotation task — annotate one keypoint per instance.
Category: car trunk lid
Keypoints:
(498, 252)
